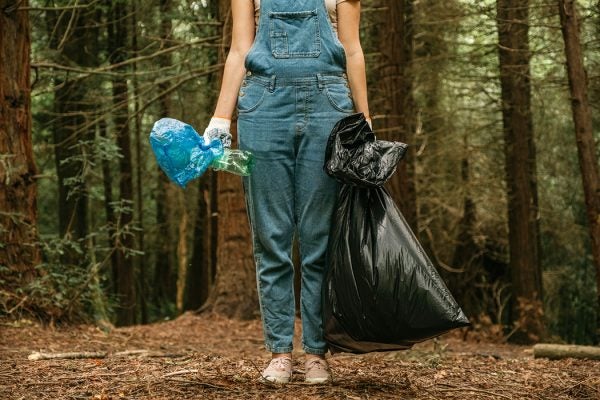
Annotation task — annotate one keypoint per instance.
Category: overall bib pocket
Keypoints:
(250, 96)
(294, 34)
(340, 96)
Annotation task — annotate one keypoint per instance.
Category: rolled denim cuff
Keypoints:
(311, 350)
(278, 349)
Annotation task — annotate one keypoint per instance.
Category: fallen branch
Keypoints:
(559, 351)
(36, 355)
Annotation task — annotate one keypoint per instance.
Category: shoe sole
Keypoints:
(316, 381)
(275, 379)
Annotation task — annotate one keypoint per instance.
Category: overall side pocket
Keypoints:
(340, 96)
(250, 96)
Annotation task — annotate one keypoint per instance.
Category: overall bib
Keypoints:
(294, 92)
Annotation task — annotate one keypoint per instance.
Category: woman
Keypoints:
(293, 77)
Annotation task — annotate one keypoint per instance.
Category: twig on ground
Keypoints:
(36, 355)
(182, 372)
(145, 353)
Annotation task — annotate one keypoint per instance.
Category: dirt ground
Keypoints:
(212, 357)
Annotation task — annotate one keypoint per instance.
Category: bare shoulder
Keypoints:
(348, 22)
(348, 8)
(242, 14)
(242, 8)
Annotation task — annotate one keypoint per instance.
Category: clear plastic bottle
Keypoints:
(239, 162)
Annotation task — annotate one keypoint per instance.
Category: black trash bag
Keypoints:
(381, 291)
(353, 156)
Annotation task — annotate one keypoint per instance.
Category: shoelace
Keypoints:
(281, 362)
(318, 364)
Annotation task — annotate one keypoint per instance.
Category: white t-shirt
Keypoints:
(331, 10)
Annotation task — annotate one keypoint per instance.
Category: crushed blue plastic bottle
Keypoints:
(180, 151)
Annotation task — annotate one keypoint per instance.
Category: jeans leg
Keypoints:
(316, 195)
(269, 192)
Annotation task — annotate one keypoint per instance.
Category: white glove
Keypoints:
(218, 128)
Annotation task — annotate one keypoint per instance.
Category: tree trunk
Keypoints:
(520, 169)
(142, 284)
(19, 251)
(466, 252)
(200, 279)
(165, 272)
(234, 293)
(396, 40)
(584, 134)
(125, 282)
(72, 108)
(177, 214)
(111, 220)
(204, 254)
(235, 283)
(182, 253)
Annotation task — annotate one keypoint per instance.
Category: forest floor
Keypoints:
(212, 357)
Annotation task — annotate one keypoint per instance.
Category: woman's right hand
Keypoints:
(218, 128)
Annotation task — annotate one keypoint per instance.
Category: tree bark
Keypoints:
(235, 284)
(125, 280)
(520, 169)
(396, 41)
(19, 251)
(584, 133)
(234, 293)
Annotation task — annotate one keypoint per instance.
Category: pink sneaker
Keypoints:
(317, 371)
(279, 370)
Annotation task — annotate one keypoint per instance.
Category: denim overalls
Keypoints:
(294, 92)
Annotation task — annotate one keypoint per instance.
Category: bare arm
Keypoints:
(242, 37)
(348, 16)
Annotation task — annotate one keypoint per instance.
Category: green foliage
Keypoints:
(60, 292)
(570, 303)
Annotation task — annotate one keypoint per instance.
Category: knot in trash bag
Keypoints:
(180, 151)
(354, 156)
